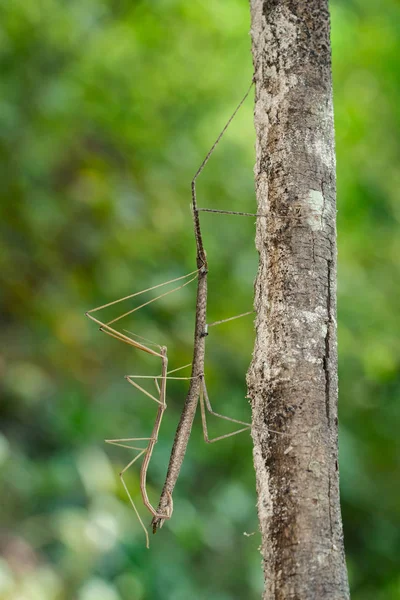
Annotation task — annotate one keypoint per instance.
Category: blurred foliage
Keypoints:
(107, 107)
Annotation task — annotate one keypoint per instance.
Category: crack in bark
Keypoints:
(326, 357)
(330, 504)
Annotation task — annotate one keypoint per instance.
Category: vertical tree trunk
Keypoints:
(293, 376)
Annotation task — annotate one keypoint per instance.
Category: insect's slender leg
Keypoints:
(157, 385)
(139, 387)
(118, 442)
(147, 452)
(130, 497)
(230, 212)
(182, 378)
(123, 338)
(212, 412)
(141, 451)
(205, 403)
(246, 314)
(153, 440)
(179, 368)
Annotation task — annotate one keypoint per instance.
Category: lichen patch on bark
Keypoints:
(316, 203)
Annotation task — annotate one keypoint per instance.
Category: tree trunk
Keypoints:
(292, 380)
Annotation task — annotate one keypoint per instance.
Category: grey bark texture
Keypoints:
(292, 380)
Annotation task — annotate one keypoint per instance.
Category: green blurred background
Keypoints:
(107, 108)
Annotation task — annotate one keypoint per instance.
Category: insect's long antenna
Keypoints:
(215, 144)
(201, 255)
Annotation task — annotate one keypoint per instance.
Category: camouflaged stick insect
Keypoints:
(197, 388)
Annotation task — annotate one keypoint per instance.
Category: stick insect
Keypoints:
(197, 387)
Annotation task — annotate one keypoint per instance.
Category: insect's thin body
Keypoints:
(189, 409)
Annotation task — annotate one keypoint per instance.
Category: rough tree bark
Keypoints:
(292, 380)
